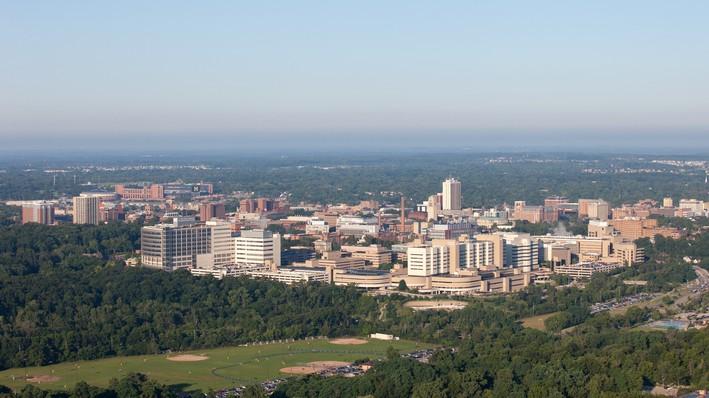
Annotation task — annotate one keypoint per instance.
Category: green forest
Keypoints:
(65, 295)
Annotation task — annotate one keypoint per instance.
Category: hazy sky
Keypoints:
(257, 71)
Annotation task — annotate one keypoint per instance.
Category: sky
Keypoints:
(233, 74)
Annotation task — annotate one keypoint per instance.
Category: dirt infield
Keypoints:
(188, 358)
(422, 305)
(328, 364)
(313, 367)
(350, 341)
(42, 379)
(299, 370)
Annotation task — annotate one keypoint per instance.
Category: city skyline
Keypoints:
(249, 76)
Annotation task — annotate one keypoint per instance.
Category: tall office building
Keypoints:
(428, 260)
(434, 205)
(451, 194)
(207, 211)
(39, 212)
(498, 247)
(598, 210)
(187, 244)
(521, 250)
(222, 243)
(86, 209)
(258, 246)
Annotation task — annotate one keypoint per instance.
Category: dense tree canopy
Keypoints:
(65, 295)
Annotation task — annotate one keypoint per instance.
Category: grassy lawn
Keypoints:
(225, 366)
(537, 321)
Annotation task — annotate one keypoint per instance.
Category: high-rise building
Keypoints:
(521, 250)
(449, 256)
(207, 211)
(498, 247)
(187, 244)
(38, 212)
(628, 253)
(428, 260)
(258, 246)
(667, 202)
(452, 199)
(598, 210)
(86, 209)
(222, 243)
(433, 206)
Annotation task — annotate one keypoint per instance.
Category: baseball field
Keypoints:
(210, 368)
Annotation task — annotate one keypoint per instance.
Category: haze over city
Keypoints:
(598, 76)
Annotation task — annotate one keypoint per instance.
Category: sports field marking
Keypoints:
(344, 341)
(187, 358)
(39, 379)
(426, 305)
(313, 367)
(223, 367)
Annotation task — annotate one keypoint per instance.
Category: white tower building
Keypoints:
(451, 194)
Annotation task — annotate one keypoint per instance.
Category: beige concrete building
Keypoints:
(86, 210)
(442, 256)
(598, 229)
(258, 246)
(373, 255)
(692, 207)
(498, 247)
(290, 275)
(628, 253)
(222, 243)
(557, 254)
(336, 260)
(632, 228)
(182, 244)
(452, 198)
(586, 269)
(468, 282)
(598, 210)
(361, 278)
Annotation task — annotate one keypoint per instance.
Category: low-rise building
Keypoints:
(586, 270)
(361, 278)
(373, 255)
(290, 275)
(297, 254)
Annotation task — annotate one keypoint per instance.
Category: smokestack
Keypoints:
(403, 215)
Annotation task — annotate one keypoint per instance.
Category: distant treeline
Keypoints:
(486, 180)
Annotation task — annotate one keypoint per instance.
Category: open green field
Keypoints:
(224, 367)
(536, 322)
